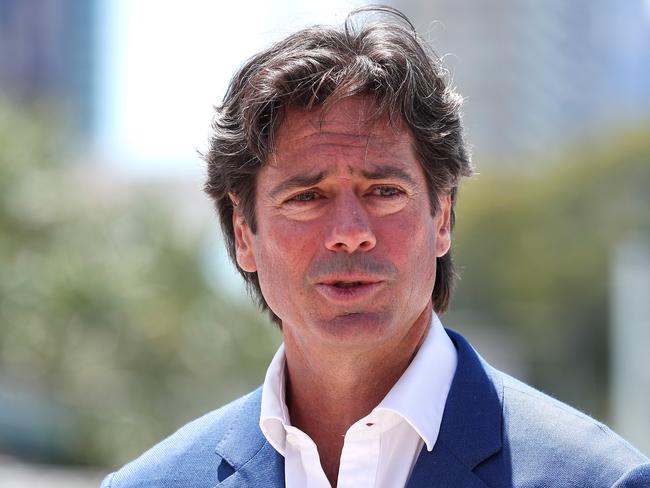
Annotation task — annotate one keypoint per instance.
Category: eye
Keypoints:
(305, 196)
(386, 191)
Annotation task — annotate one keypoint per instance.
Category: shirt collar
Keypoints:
(419, 396)
(274, 414)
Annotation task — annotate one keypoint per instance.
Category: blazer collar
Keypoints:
(471, 424)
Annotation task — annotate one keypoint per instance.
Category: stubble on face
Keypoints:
(333, 154)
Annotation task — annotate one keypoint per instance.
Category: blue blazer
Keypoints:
(495, 432)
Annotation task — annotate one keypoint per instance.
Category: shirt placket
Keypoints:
(360, 455)
(301, 456)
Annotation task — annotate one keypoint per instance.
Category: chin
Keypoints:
(356, 326)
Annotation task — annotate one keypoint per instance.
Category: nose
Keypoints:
(351, 230)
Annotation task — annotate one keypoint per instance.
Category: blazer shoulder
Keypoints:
(188, 457)
(541, 432)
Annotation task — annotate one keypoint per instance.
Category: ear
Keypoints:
(243, 238)
(442, 222)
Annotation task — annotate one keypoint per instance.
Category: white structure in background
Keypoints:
(537, 74)
(163, 65)
(18, 474)
(630, 341)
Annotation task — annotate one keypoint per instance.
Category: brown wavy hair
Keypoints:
(376, 53)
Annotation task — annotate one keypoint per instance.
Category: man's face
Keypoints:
(346, 245)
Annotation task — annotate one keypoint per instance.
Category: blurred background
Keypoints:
(120, 316)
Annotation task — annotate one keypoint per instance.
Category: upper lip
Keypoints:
(363, 279)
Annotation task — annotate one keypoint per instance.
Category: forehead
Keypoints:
(347, 128)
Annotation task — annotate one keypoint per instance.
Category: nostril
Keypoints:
(350, 237)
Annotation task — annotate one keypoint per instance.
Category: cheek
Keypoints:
(415, 234)
(283, 258)
(411, 243)
(271, 271)
(283, 255)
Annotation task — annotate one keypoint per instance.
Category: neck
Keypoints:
(327, 390)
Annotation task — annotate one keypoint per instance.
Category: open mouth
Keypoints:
(348, 284)
(349, 291)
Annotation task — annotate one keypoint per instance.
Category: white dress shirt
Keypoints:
(379, 450)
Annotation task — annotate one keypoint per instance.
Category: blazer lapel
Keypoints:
(470, 433)
(440, 468)
(471, 425)
(265, 468)
(247, 459)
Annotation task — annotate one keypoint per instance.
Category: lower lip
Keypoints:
(351, 294)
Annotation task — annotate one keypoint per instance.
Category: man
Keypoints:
(334, 165)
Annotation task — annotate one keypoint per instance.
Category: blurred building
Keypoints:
(537, 74)
(47, 54)
(18, 474)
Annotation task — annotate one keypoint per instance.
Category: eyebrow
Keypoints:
(298, 181)
(380, 172)
(383, 172)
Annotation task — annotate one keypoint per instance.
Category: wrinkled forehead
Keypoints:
(351, 122)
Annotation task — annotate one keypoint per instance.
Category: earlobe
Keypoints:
(443, 226)
(243, 242)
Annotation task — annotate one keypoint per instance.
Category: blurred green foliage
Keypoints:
(106, 312)
(535, 250)
(104, 307)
